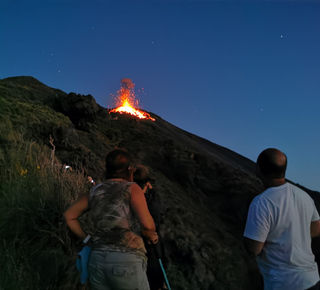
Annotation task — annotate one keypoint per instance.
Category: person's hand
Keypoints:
(149, 186)
(154, 239)
(146, 187)
(89, 243)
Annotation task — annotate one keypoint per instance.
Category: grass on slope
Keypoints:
(36, 251)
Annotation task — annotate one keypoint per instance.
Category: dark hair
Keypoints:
(141, 175)
(117, 161)
(269, 164)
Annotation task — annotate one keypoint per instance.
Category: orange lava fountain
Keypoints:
(126, 101)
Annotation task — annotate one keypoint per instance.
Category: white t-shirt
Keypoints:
(281, 217)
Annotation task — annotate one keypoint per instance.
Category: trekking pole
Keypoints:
(158, 254)
(164, 274)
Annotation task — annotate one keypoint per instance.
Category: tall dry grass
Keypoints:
(37, 251)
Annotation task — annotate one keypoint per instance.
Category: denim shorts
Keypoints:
(117, 271)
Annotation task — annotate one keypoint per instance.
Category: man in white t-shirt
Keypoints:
(280, 224)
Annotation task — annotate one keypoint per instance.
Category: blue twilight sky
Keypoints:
(242, 74)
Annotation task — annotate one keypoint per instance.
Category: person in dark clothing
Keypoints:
(155, 206)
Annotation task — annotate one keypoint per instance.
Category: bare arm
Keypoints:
(252, 246)
(72, 214)
(139, 206)
(315, 229)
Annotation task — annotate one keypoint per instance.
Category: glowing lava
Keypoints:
(126, 101)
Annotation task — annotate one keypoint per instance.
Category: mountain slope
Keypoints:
(206, 188)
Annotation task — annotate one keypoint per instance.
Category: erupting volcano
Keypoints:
(126, 101)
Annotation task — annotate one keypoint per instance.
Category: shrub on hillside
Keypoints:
(36, 250)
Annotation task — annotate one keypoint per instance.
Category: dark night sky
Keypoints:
(242, 74)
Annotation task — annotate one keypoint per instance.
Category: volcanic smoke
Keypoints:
(127, 103)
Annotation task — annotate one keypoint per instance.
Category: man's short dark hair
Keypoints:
(116, 161)
(267, 162)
